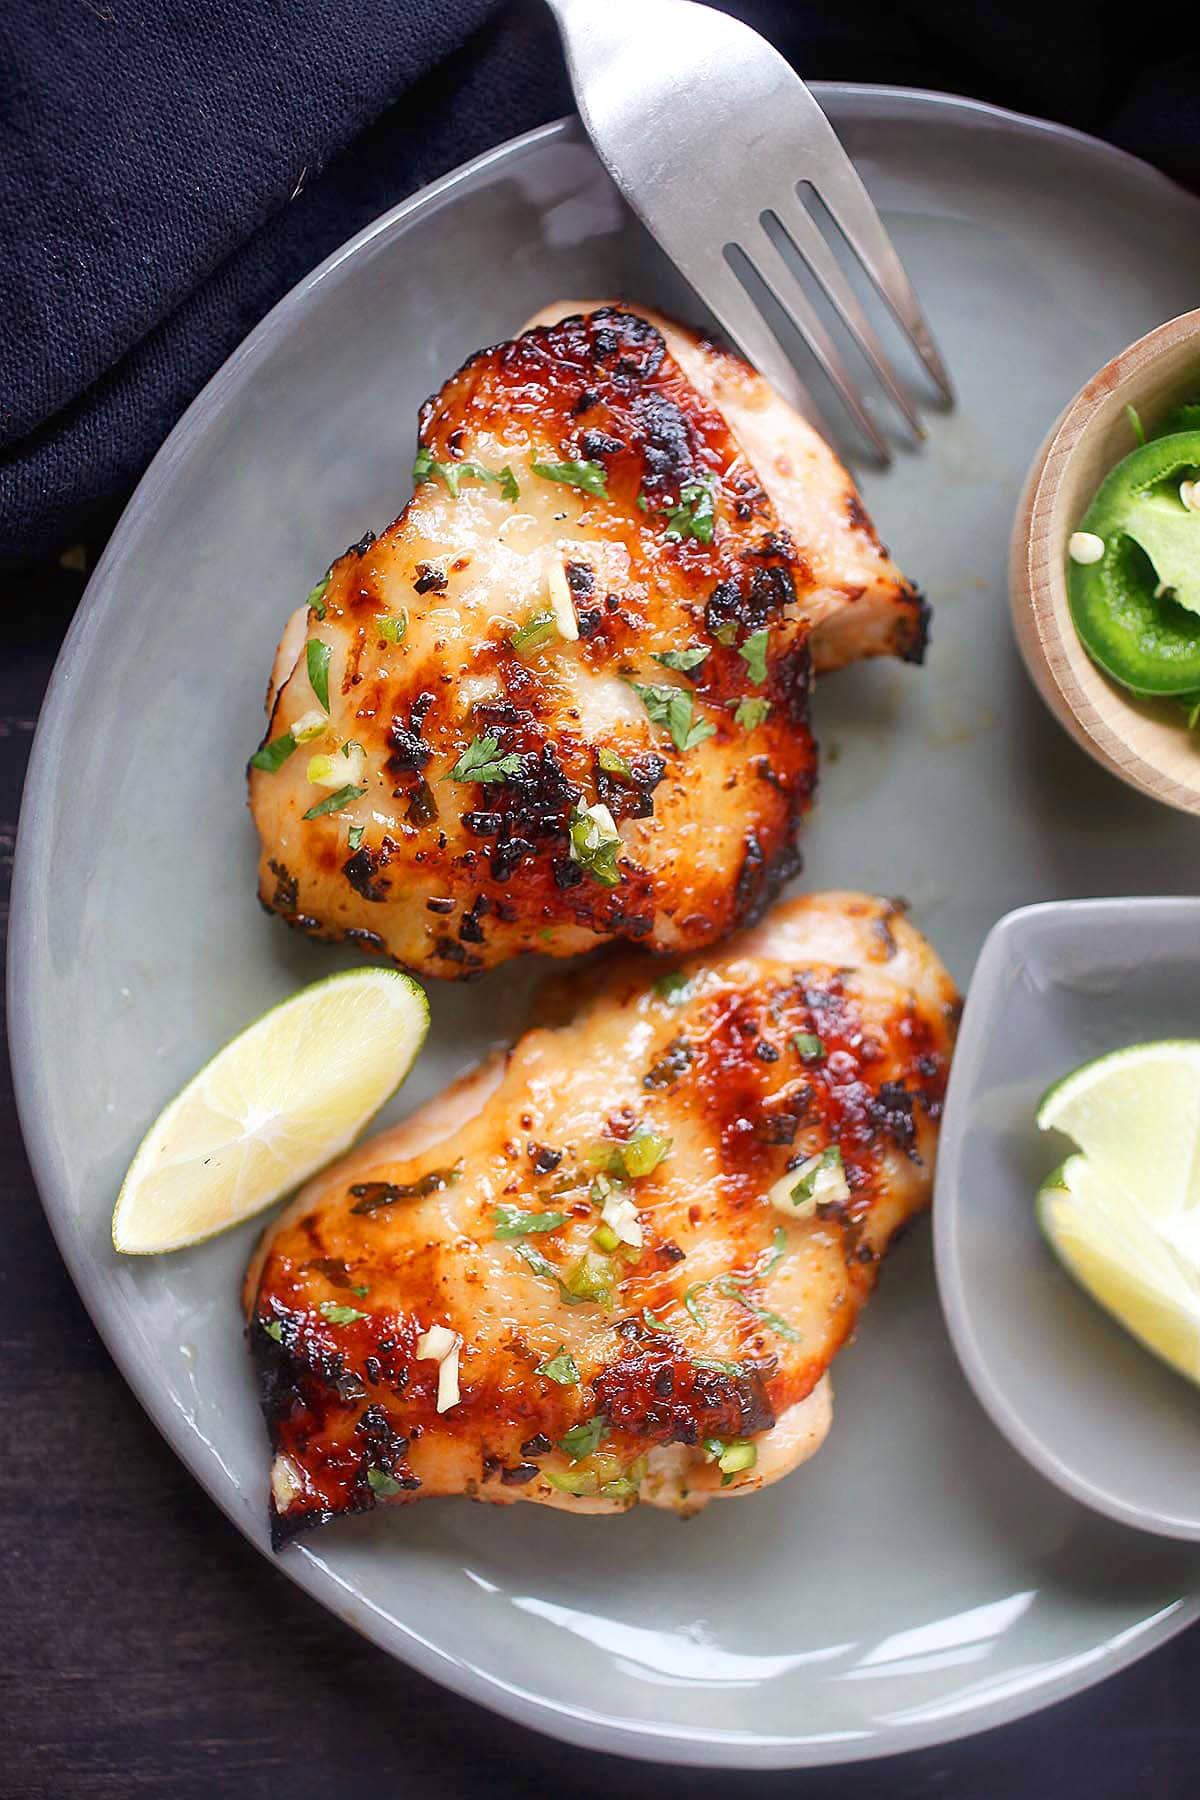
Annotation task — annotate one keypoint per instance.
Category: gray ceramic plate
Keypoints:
(1056, 986)
(918, 1580)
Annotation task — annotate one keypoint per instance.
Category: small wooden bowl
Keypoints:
(1145, 742)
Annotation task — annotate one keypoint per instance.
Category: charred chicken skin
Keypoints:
(617, 1263)
(564, 698)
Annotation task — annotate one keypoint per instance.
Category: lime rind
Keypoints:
(1087, 1071)
(272, 1107)
(1136, 1114)
(1123, 1213)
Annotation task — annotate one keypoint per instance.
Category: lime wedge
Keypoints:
(1124, 1214)
(284, 1098)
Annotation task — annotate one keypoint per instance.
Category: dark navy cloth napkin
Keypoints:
(169, 168)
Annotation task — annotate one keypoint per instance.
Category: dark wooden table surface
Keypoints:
(147, 1650)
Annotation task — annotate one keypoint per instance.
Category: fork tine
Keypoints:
(793, 217)
(739, 318)
(767, 262)
(853, 211)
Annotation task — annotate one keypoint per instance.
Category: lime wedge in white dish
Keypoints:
(1124, 1214)
(281, 1100)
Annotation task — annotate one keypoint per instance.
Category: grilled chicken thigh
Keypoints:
(564, 698)
(617, 1264)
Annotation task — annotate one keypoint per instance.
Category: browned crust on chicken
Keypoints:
(857, 602)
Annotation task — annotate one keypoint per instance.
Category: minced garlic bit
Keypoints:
(309, 725)
(561, 603)
(817, 1182)
(441, 1345)
(1085, 547)
(621, 1216)
(343, 769)
(286, 1482)
(1189, 494)
(323, 772)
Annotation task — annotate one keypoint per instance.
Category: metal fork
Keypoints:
(707, 131)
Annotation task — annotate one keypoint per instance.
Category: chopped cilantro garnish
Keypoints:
(479, 762)
(592, 477)
(772, 1257)
(693, 1305)
(727, 633)
(776, 1324)
(337, 1314)
(426, 469)
(512, 1222)
(674, 708)
(318, 655)
(810, 1046)
(579, 1287)
(683, 660)
(274, 1329)
(534, 1260)
(272, 756)
(335, 802)
(731, 1286)
(750, 713)
(383, 1483)
(754, 654)
(316, 596)
(537, 630)
(595, 843)
(354, 836)
(583, 1440)
(773, 1320)
(695, 514)
(561, 1367)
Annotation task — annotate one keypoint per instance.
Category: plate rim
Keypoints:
(641, 1739)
